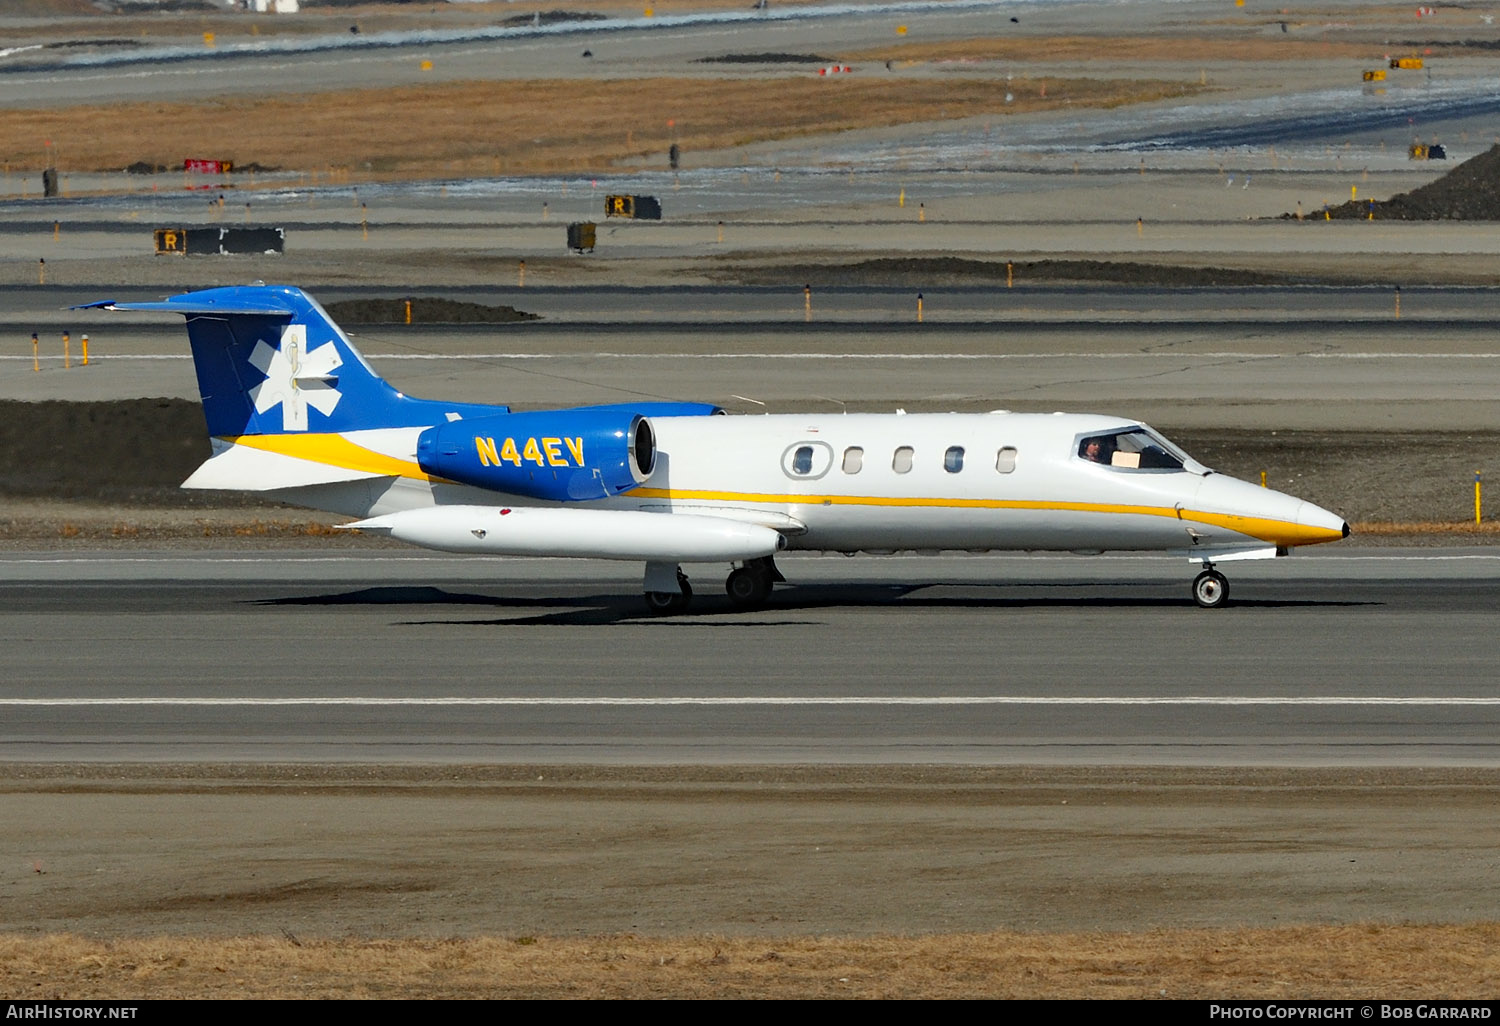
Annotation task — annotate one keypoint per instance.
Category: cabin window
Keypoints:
(807, 459)
(953, 459)
(902, 460)
(854, 459)
(1133, 449)
(1005, 460)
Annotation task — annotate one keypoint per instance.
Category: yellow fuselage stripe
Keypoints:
(1275, 532)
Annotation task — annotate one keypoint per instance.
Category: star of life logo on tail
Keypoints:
(296, 378)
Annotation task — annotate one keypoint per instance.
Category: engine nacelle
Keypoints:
(558, 455)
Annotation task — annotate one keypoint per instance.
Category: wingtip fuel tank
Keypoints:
(587, 533)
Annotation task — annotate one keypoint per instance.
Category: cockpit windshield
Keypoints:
(1136, 448)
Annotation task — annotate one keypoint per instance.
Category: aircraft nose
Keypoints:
(1323, 525)
(1266, 515)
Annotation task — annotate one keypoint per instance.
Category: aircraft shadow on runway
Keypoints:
(618, 608)
(397, 595)
(577, 610)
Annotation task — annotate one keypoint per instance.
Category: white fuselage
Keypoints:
(858, 482)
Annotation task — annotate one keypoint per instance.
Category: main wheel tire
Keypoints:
(1210, 589)
(747, 587)
(664, 603)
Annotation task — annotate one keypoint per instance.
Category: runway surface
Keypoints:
(1339, 659)
(1264, 359)
(607, 306)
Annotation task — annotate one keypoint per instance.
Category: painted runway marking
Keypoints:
(766, 700)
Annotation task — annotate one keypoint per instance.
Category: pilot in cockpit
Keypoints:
(1095, 451)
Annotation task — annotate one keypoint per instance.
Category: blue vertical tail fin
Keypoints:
(271, 361)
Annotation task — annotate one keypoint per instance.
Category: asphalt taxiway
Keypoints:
(1356, 658)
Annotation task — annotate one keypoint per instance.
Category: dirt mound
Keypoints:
(51, 8)
(766, 58)
(1470, 192)
(162, 7)
(134, 451)
(424, 310)
(919, 272)
(552, 18)
(81, 44)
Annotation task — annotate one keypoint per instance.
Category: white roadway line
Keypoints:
(769, 700)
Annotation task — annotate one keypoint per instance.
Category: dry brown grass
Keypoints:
(1427, 527)
(274, 528)
(468, 128)
(1149, 47)
(251, 528)
(1350, 962)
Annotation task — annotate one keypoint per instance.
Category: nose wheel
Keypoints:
(1210, 588)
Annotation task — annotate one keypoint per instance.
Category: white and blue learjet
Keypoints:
(296, 414)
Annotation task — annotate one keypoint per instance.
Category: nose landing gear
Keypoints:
(1210, 588)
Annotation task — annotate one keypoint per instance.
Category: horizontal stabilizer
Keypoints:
(247, 302)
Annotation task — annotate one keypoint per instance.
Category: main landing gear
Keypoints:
(667, 590)
(1210, 588)
(750, 585)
